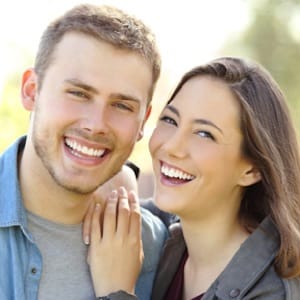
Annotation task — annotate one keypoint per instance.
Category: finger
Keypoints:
(123, 213)
(135, 215)
(96, 224)
(110, 215)
(86, 226)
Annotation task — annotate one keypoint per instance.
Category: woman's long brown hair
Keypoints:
(270, 142)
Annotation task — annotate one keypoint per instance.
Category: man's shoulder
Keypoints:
(152, 226)
(154, 234)
(11, 152)
(10, 196)
(8, 161)
(165, 217)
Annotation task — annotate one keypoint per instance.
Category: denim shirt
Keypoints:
(20, 258)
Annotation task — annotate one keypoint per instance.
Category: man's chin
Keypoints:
(82, 190)
(79, 188)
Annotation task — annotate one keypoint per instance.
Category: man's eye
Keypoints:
(123, 106)
(168, 120)
(79, 94)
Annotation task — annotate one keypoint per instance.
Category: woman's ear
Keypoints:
(250, 176)
(29, 89)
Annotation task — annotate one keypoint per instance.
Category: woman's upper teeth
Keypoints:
(172, 172)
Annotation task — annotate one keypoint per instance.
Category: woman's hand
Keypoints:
(125, 178)
(116, 252)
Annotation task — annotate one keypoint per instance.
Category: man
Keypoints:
(89, 96)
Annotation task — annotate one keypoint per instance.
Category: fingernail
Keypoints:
(114, 194)
(87, 240)
(97, 206)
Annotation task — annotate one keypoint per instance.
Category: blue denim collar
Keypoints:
(12, 212)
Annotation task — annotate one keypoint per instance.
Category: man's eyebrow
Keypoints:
(89, 88)
(82, 85)
(197, 121)
(127, 97)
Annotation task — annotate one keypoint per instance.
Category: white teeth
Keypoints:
(84, 149)
(175, 173)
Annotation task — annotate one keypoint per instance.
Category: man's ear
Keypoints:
(250, 176)
(29, 89)
(147, 114)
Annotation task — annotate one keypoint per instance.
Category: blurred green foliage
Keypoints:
(13, 118)
(272, 39)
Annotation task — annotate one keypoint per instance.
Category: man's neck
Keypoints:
(45, 198)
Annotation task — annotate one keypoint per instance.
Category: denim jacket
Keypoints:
(249, 275)
(20, 258)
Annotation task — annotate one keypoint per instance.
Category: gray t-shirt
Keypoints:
(65, 273)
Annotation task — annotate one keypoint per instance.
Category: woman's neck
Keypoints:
(205, 239)
(211, 244)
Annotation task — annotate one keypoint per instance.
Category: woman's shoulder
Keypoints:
(272, 286)
(292, 288)
(251, 273)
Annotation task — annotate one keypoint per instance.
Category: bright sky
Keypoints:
(188, 32)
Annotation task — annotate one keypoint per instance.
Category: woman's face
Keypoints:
(196, 150)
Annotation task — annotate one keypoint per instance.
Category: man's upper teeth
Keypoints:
(84, 149)
(171, 172)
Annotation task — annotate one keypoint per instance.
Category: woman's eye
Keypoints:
(205, 134)
(168, 120)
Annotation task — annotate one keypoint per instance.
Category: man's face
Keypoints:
(88, 112)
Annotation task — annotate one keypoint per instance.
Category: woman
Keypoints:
(226, 161)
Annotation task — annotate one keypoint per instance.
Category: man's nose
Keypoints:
(96, 119)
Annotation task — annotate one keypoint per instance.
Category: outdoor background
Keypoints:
(188, 33)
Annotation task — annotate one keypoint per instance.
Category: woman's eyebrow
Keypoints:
(197, 121)
(173, 110)
(207, 122)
